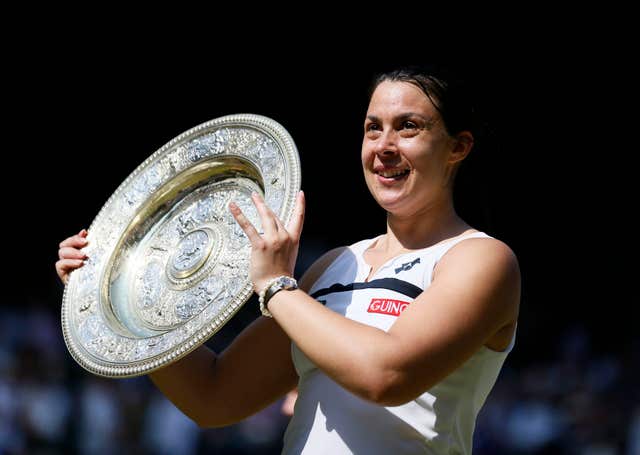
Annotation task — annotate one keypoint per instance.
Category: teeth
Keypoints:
(389, 174)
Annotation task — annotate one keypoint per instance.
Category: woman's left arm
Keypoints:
(474, 293)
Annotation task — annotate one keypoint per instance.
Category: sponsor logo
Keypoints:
(407, 265)
(387, 306)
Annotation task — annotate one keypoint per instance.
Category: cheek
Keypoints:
(366, 157)
(364, 147)
(427, 156)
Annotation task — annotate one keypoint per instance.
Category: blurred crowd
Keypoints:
(575, 402)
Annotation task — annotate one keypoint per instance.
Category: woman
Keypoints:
(394, 342)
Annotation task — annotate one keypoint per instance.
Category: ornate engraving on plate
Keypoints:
(168, 264)
(192, 251)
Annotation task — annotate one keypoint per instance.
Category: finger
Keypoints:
(282, 230)
(66, 266)
(68, 252)
(267, 217)
(294, 226)
(76, 241)
(245, 224)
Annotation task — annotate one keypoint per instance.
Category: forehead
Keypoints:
(397, 97)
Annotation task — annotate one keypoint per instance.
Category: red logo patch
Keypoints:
(387, 306)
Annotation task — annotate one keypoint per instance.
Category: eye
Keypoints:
(372, 130)
(409, 125)
(372, 127)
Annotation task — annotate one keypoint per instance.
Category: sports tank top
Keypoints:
(328, 419)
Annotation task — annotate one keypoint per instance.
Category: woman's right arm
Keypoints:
(214, 391)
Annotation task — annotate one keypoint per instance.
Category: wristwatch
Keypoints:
(277, 284)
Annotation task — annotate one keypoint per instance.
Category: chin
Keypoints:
(401, 202)
(390, 204)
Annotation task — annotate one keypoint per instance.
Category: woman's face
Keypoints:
(406, 151)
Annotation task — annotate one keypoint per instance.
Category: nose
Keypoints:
(386, 144)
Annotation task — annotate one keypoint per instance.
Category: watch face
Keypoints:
(287, 282)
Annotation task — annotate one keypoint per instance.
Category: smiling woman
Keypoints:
(394, 342)
(407, 149)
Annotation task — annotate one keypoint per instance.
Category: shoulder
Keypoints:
(318, 267)
(485, 266)
(480, 252)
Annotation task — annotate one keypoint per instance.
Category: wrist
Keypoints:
(260, 286)
(271, 288)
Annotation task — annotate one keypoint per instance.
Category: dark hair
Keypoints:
(448, 93)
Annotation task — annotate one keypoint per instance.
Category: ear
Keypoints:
(463, 143)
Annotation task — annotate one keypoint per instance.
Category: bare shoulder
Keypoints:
(318, 267)
(486, 267)
(489, 254)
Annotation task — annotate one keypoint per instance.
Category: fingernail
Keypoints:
(232, 205)
(83, 232)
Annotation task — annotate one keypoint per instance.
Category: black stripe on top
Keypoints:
(393, 284)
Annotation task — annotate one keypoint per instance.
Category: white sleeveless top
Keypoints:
(331, 420)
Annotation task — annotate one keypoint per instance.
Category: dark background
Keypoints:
(545, 180)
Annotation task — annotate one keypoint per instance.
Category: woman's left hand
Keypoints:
(273, 253)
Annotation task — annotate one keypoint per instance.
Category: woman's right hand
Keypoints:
(70, 255)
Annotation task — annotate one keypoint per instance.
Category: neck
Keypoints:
(422, 229)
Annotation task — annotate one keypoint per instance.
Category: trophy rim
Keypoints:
(122, 369)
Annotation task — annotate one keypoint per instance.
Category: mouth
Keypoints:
(391, 175)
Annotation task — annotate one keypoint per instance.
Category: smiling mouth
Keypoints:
(393, 174)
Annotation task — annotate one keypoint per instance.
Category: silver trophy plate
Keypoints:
(168, 265)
